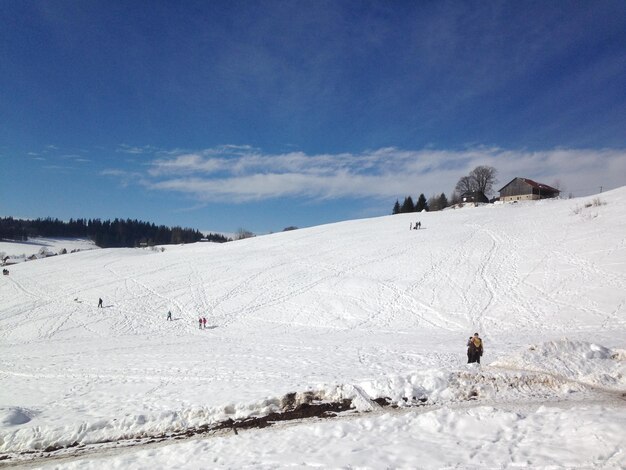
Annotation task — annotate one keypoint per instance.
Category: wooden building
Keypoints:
(524, 189)
(474, 196)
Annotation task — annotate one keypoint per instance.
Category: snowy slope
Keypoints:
(359, 310)
(18, 251)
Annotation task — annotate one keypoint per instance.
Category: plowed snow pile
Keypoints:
(575, 361)
(364, 313)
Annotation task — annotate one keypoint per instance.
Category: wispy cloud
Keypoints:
(136, 150)
(126, 178)
(240, 174)
(75, 158)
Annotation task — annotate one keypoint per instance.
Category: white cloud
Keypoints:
(126, 178)
(75, 158)
(185, 164)
(134, 150)
(242, 173)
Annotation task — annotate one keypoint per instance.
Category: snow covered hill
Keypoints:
(19, 251)
(358, 310)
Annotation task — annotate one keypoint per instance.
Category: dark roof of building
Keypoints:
(534, 184)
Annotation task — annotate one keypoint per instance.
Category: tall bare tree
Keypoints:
(466, 184)
(482, 178)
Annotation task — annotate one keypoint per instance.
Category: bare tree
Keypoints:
(482, 178)
(557, 184)
(242, 234)
(465, 184)
(455, 198)
(437, 202)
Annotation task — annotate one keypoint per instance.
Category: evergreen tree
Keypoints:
(407, 205)
(396, 208)
(118, 233)
(421, 204)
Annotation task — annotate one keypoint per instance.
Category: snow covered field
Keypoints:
(19, 251)
(364, 312)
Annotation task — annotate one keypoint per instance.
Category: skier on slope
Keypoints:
(474, 349)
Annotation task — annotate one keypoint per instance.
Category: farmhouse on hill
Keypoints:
(524, 189)
(474, 196)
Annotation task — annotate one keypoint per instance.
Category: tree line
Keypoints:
(434, 203)
(480, 179)
(117, 233)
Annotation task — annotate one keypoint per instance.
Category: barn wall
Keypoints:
(518, 197)
(516, 188)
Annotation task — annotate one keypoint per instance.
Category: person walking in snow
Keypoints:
(169, 315)
(474, 349)
(200, 322)
(100, 303)
(204, 322)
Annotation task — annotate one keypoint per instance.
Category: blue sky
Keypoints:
(221, 115)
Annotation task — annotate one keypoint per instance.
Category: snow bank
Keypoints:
(578, 361)
(485, 437)
(579, 364)
(550, 369)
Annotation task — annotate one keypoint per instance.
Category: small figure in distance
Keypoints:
(100, 303)
(200, 322)
(169, 315)
(204, 322)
